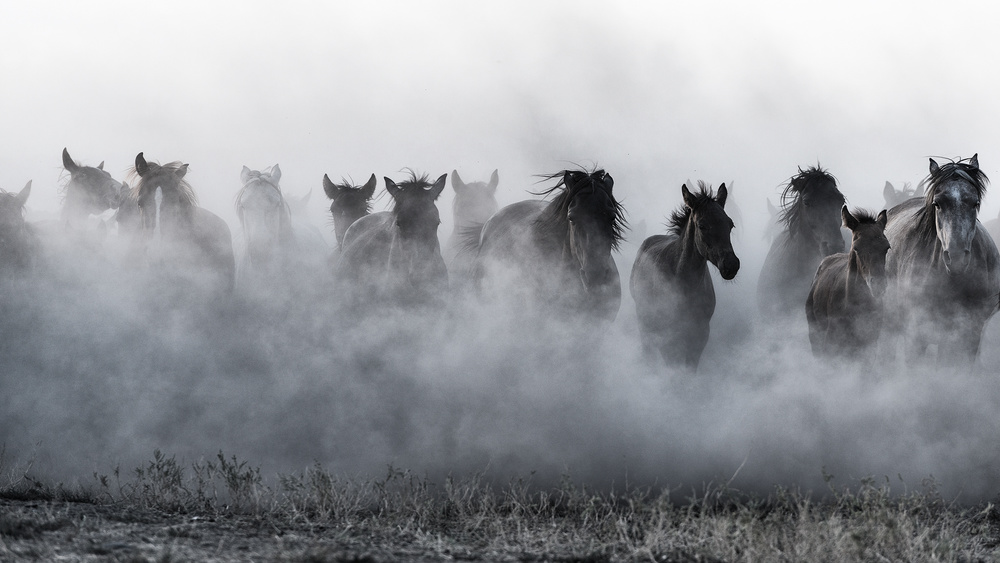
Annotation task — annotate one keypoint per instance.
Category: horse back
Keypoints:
(508, 230)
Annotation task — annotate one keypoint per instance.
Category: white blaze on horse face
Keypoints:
(955, 219)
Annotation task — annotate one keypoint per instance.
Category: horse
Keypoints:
(894, 197)
(90, 191)
(348, 203)
(670, 282)
(394, 257)
(844, 307)
(268, 242)
(474, 204)
(944, 271)
(558, 251)
(810, 217)
(18, 244)
(181, 241)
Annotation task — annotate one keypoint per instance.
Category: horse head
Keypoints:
(869, 247)
(262, 212)
(594, 227)
(348, 203)
(475, 202)
(954, 193)
(712, 228)
(415, 246)
(90, 190)
(811, 209)
(166, 213)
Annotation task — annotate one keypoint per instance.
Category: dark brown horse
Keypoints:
(810, 217)
(844, 307)
(557, 253)
(180, 241)
(394, 257)
(670, 281)
(348, 203)
(944, 270)
(18, 245)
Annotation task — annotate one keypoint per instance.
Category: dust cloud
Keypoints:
(96, 371)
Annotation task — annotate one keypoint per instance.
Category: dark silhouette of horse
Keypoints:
(394, 257)
(810, 215)
(18, 244)
(894, 197)
(844, 307)
(348, 203)
(557, 252)
(181, 241)
(944, 270)
(670, 282)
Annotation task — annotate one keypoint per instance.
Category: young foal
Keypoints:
(844, 307)
(673, 291)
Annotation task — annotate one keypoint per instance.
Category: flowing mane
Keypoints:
(679, 217)
(791, 195)
(552, 225)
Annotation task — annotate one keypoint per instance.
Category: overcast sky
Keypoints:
(655, 92)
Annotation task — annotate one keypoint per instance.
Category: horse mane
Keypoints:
(188, 196)
(864, 216)
(679, 217)
(552, 224)
(791, 195)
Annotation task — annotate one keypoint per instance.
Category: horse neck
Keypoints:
(691, 261)
(855, 281)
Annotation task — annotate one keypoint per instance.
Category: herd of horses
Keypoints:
(924, 272)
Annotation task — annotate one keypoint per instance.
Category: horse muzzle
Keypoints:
(958, 262)
(729, 267)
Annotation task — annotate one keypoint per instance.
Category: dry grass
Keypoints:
(316, 516)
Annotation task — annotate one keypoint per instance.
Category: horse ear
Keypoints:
(494, 182)
(934, 167)
(888, 192)
(22, 196)
(974, 161)
(368, 190)
(721, 196)
(688, 197)
(141, 166)
(391, 187)
(882, 219)
(849, 220)
(101, 166)
(276, 173)
(329, 188)
(68, 163)
(456, 182)
(438, 186)
(245, 174)
(771, 209)
(609, 182)
(182, 171)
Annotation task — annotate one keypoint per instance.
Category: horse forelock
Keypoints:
(959, 170)
(552, 224)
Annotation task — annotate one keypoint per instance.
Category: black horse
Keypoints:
(557, 253)
(810, 215)
(670, 282)
(844, 307)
